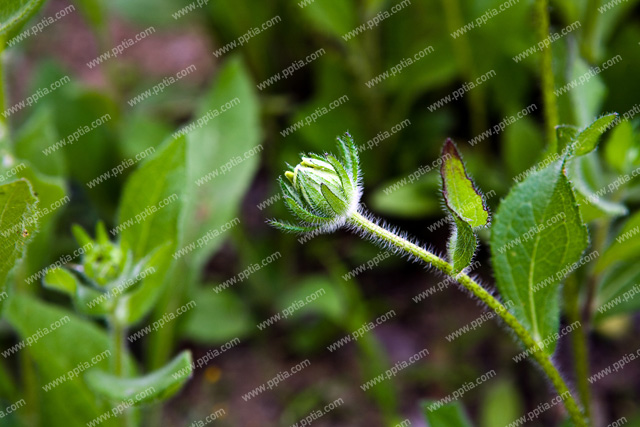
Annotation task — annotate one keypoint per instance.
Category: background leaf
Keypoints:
(72, 344)
(17, 205)
(14, 13)
(449, 415)
(158, 385)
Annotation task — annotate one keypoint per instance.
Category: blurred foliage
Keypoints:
(245, 188)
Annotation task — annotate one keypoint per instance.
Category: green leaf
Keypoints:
(619, 291)
(217, 318)
(332, 17)
(587, 140)
(536, 236)
(625, 247)
(156, 188)
(61, 280)
(462, 245)
(465, 204)
(156, 386)
(592, 206)
(17, 209)
(158, 181)
(565, 135)
(134, 305)
(38, 133)
(328, 300)
(586, 100)
(460, 194)
(74, 343)
(14, 13)
(501, 404)
(620, 150)
(449, 415)
(230, 141)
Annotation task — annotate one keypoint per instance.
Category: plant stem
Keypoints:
(546, 70)
(578, 341)
(372, 229)
(118, 332)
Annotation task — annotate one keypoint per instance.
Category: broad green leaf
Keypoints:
(52, 202)
(501, 404)
(449, 415)
(462, 245)
(156, 188)
(152, 199)
(619, 291)
(61, 280)
(537, 236)
(17, 209)
(38, 133)
(217, 318)
(73, 343)
(14, 13)
(460, 193)
(625, 247)
(228, 145)
(620, 150)
(587, 139)
(156, 386)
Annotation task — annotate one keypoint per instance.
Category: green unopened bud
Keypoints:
(323, 191)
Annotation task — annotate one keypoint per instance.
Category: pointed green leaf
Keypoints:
(61, 280)
(536, 237)
(449, 415)
(460, 194)
(14, 13)
(155, 386)
(290, 228)
(303, 214)
(587, 140)
(345, 180)
(336, 203)
(462, 245)
(81, 235)
(17, 210)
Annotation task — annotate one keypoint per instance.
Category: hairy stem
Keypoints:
(363, 224)
(546, 70)
(579, 341)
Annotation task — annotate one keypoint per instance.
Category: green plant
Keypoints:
(538, 232)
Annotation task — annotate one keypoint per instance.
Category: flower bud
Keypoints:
(323, 191)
